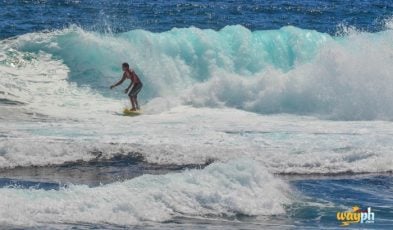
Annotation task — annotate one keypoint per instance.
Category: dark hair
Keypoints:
(125, 64)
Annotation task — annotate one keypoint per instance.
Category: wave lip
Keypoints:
(221, 189)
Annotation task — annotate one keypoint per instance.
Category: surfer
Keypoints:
(134, 88)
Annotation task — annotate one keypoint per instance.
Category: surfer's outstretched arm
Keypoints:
(119, 82)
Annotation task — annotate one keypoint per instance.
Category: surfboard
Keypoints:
(127, 112)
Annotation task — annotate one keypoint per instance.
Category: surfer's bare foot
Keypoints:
(133, 109)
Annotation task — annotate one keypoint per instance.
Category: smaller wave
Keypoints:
(14, 153)
(38, 152)
(273, 151)
(240, 187)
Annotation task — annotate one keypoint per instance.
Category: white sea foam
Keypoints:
(237, 187)
(349, 79)
(283, 144)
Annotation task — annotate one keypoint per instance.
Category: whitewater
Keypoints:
(235, 111)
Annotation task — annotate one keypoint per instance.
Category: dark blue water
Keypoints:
(365, 191)
(19, 17)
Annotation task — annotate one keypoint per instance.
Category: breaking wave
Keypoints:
(236, 188)
(290, 70)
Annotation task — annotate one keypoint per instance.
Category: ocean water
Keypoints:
(256, 114)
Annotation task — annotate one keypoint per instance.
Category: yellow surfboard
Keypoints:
(127, 112)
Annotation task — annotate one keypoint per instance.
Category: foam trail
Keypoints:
(237, 187)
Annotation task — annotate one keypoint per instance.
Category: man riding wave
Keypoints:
(134, 88)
